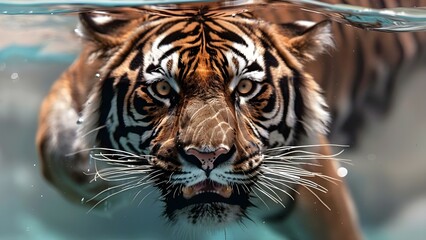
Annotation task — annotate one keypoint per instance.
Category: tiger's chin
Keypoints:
(207, 205)
(208, 216)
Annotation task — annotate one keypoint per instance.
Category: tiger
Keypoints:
(205, 106)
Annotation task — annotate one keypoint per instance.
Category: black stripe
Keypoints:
(137, 61)
(172, 37)
(104, 108)
(299, 106)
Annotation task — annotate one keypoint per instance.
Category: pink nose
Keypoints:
(206, 158)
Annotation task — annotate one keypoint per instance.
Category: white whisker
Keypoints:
(110, 150)
(264, 192)
(288, 163)
(285, 148)
(272, 191)
(137, 194)
(174, 193)
(271, 183)
(282, 177)
(260, 199)
(319, 199)
(115, 193)
(109, 189)
(140, 202)
(92, 131)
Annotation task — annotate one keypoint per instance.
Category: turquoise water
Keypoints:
(389, 19)
(36, 47)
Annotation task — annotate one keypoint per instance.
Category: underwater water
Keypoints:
(38, 43)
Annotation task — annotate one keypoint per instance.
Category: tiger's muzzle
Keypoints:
(209, 147)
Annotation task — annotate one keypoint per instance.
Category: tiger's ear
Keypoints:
(108, 28)
(309, 39)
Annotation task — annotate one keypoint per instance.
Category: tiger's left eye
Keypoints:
(244, 87)
(162, 88)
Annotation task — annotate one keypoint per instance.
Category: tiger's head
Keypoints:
(203, 94)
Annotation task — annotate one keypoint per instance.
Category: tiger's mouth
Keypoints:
(207, 193)
(208, 187)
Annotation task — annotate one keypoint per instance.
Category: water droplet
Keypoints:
(41, 195)
(233, 15)
(342, 172)
(98, 75)
(5, 12)
(30, 12)
(14, 76)
(264, 222)
(35, 164)
(80, 120)
(82, 200)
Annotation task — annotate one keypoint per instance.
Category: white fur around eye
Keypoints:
(101, 18)
(305, 23)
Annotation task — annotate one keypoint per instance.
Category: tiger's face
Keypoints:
(203, 94)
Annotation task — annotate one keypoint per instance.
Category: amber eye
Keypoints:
(162, 88)
(245, 87)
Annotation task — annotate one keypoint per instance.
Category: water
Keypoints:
(388, 19)
(38, 43)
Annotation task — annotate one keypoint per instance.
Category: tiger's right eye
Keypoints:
(245, 86)
(162, 88)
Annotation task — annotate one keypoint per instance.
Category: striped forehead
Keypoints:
(215, 44)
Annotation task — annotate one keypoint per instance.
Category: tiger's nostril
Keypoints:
(207, 159)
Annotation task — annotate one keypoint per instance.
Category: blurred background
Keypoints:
(387, 175)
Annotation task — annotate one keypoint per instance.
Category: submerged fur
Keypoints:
(202, 105)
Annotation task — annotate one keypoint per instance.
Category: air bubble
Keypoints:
(98, 75)
(80, 120)
(41, 195)
(342, 172)
(14, 76)
(82, 200)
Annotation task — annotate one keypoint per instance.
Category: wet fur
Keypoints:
(66, 147)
